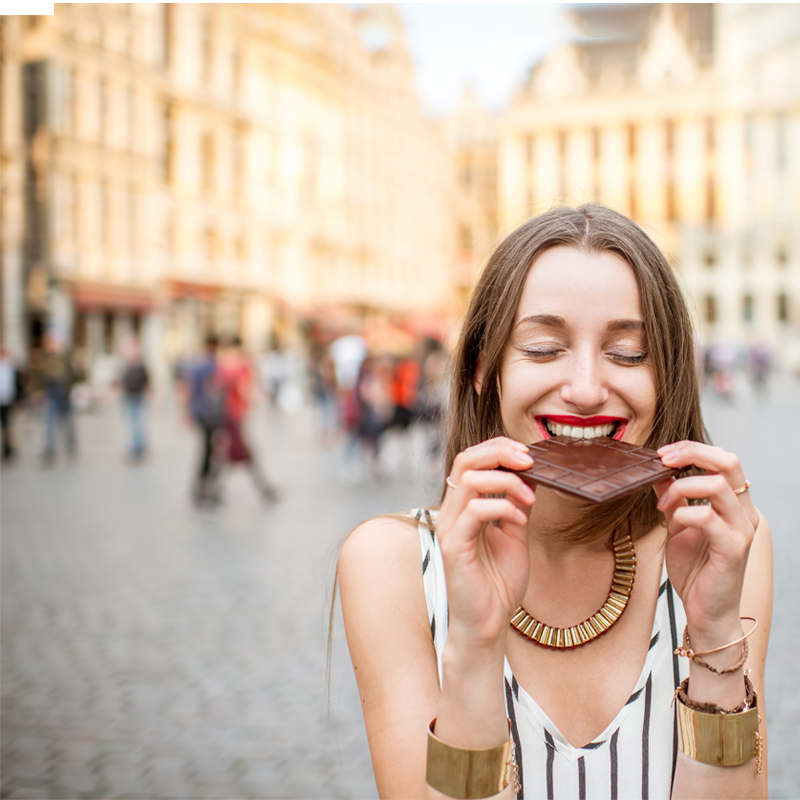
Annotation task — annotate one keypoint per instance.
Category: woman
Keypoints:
(577, 316)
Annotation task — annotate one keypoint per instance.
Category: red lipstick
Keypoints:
(581, 422)
(584, 422)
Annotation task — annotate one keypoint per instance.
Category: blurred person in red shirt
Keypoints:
(405, 392)
(237, 375)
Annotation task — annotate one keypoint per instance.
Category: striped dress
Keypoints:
(634, 757)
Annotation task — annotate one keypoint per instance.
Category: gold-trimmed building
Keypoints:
(687, 118)
(174, 169)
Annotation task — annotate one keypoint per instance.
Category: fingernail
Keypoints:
(527, 491)
(524, 458)
(521, 446)
(666, 449)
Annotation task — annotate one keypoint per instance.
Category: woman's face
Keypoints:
(577, 363)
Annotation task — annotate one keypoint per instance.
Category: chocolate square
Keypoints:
(594, 469)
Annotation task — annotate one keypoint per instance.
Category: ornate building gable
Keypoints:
(666, 59)
(561, 74)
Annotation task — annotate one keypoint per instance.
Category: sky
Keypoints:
(490, 46)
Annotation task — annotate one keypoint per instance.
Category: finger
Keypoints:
(662, 488)
(708, 457)
(714, 488)
(721, 536)
(475, 483)
(480, 511)
(491, 454)
(711, 459)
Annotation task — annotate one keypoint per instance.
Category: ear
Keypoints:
(478, 381)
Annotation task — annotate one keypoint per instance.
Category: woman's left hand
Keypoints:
(707, 545)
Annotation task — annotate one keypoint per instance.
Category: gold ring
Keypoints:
(744, 488)
(450, 483)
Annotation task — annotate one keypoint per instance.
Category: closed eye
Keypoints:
(633, 358)
(540, 354)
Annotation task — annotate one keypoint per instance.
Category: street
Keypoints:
(154, 650)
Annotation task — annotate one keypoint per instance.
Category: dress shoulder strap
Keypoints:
(433, 580)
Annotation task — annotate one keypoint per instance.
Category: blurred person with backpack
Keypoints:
(58, 378)
(135, 382)
(206, 407)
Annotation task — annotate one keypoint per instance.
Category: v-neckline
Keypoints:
(544, 725)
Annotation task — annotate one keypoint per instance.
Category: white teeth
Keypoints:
(579, 432)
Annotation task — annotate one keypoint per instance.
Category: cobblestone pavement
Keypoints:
(153, 650)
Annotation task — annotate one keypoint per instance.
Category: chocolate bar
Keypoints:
(598, 470)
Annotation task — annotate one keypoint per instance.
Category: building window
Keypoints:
(562, 162)
(206, 46)
(529, 159)
(749, 126)
(631, 141)
(101, 110)
(747, 308)
(465, 237)
(783, 307)
(239, 165)
(711, 199)
(710, 134)
(466, 175)
(105, 213)
(710, 309)
(209, 163)
(781, 256)
(167, 24)
(669, 138)
(211, 246)
(671, 200)
(242, 252)
(168, 146)
(709, 259)
(780, 140)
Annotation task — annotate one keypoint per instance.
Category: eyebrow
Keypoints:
(553, 321)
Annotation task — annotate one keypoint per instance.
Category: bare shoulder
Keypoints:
(389, 537)
(380, 574)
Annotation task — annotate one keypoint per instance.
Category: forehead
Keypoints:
(573, 284)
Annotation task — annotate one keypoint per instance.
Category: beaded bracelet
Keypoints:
(687, 652)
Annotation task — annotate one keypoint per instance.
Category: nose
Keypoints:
(584, 387)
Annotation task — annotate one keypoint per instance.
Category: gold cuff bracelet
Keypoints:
(720, 739)
(462, 773)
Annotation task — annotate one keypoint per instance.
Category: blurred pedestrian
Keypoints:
(324, 390)
(135, 383)
(405, 392)
(206, 404)
(10, 394)
(58, 378)
(375, 408)
(272, 369)
(760, 363)
(236, 377)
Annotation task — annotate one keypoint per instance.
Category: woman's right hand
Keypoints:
(484, 539)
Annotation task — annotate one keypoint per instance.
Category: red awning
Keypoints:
(112, 297)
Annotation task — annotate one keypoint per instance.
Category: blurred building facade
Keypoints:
(687, 118)
(175, 169)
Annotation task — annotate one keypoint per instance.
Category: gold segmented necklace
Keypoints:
(590, 629)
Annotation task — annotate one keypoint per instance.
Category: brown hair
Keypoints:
(590, 228)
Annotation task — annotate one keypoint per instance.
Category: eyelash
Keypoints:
(544, 354)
